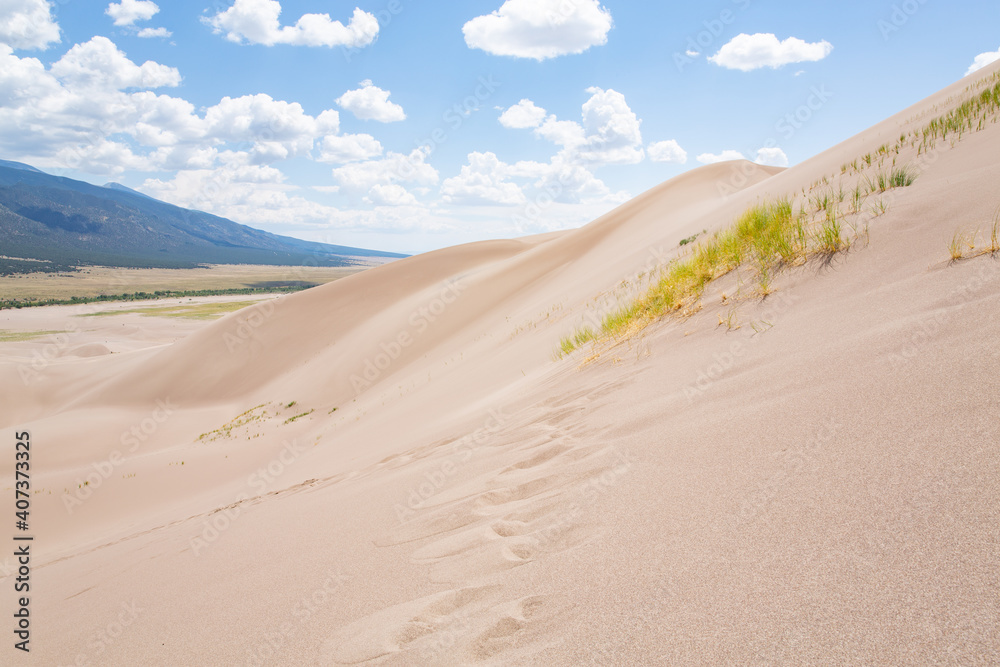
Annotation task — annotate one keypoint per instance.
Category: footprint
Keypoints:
(401, 627)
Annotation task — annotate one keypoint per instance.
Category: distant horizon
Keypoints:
(406, 129)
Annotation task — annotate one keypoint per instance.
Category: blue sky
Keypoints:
(408, 126)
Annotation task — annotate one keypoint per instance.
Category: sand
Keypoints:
(396, 468)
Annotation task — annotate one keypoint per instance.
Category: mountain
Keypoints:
(19, 165)
(68, 223)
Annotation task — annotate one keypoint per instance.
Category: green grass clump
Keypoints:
(956, 249)
(767, 237)
(829, 238)
(579, 339)
(897, 177)
(901, 177)
(299, 416)
(971, 115)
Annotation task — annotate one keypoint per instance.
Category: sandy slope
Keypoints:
(825, 491)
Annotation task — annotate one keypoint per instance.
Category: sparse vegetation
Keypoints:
(7, 336)
(255, 414)
(692, 239)
(144, 296)
(957, 246)
(198, 311)
(963, 244)
(767, 237)
(299, 416)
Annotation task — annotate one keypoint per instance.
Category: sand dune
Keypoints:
(394, 468)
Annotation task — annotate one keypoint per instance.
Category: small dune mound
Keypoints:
(89, 350)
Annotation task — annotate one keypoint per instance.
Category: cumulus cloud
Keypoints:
(257, 22)
(127, 12)
(667, 151)
(724, 156)
(154, 32)
(340, 149)
(96, 110)
(361, 177)
(100, 64)
(772, 157)
(982, 60)
(749, 52)
(523, 115)
(608, 134)
(391, 194)
(482, 181)
(612, 130)
(369, 102)
(27, 24)
(567, 133)
(540, 29)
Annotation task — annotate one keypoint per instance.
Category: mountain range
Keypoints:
(52, 223)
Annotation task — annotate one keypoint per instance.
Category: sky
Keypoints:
(407, 125)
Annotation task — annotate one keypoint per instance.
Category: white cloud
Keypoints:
(566, 133)
(522, 115)
(609, 134)
(667, 151)
(75, 114)
(691, 53)
(256, 22)
(569, 183)
(392, 194)
(361, 177)
(612, 130)
(261, 119)
(99, 64)
(154, 32)
(772, 157)
(982, 60)
(540, 29)
(482, 180)
(724, 156)
(127, 12)
(369, 102)
(27, 24)
(339, 149)
(749, 52)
